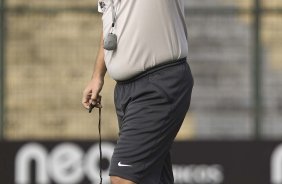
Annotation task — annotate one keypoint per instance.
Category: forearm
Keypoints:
(92, 90)
(100, 67)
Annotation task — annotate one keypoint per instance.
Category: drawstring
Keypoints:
(100, 137)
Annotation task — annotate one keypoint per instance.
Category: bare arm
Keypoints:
(93, 89)
(100, 67)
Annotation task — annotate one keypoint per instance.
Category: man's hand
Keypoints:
(91, 93)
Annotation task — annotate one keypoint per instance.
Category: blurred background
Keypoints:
(231, 135)
(48, 49)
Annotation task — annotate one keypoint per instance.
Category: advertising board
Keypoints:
(196, 162)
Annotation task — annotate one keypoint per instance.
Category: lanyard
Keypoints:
(100, 138)
(113, 14)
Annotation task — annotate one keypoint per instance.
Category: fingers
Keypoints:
(96, 102)
(93, 98)
(99, 100)
(85, 98)
(89, 99)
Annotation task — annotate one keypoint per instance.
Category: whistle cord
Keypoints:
(100, 137)
(100, 145)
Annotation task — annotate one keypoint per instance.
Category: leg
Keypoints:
(118, 180)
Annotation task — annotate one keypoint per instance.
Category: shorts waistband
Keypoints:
(154, 69)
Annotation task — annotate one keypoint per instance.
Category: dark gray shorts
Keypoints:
(150, 109)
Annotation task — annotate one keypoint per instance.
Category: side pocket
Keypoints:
(156, 83)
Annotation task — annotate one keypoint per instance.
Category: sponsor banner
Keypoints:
(200, 162)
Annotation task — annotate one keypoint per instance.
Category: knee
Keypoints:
(118, 180)
(115, 180)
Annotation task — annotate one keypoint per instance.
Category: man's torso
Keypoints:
(150, 32)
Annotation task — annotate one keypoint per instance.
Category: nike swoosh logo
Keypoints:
(123, 165)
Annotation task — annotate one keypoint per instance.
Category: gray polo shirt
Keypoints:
(150, 32)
